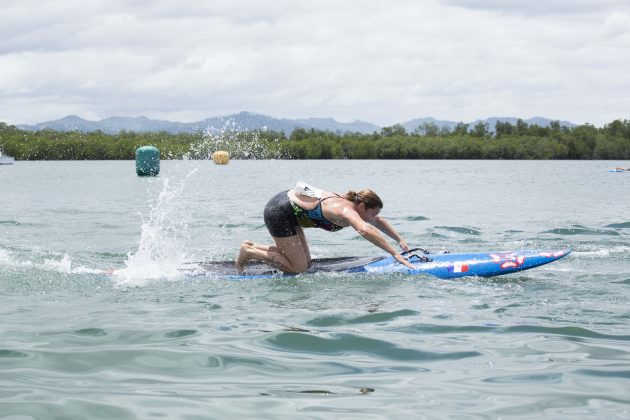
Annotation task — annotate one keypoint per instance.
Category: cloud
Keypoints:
(379, 61)
(540, 7)
(617, 24)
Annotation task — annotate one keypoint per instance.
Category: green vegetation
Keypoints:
(508, 141)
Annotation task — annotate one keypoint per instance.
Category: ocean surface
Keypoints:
(150, 341)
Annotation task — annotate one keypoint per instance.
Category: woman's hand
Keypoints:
(404, 261)
(403, 245)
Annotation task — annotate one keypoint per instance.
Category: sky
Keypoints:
(380, 61)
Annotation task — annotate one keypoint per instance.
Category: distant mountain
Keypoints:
(539, 121)
(111, 125)
(251, 121)
(242, 121)
(411, 126)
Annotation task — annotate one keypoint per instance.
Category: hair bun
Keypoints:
(367, 196)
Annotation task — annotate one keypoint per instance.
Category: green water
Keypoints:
(149, 342)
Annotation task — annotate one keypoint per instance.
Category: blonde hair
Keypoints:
(367, 197)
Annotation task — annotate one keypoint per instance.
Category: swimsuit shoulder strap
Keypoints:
(332, 196)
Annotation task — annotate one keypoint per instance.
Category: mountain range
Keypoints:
(251, 121)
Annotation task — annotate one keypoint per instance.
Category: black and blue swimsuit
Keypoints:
(282, 216)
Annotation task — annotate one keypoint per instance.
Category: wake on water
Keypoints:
(63, 266)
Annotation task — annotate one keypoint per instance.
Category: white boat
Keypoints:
(5, 160)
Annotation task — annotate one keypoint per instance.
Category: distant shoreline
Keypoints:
(507, 141)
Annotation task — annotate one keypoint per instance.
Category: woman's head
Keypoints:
(366, 197)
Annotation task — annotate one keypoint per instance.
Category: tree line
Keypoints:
(506, 141)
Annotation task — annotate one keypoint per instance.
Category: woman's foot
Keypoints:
(271, 248)
(243, 256)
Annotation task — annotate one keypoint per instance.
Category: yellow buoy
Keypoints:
(221, 157)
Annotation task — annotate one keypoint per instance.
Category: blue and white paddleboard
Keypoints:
(445, 266)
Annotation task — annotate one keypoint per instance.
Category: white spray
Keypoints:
(160, 251)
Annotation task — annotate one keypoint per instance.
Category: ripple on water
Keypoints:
(91, 332)
(569, 331)
(581, 230)
(601, 373)
(180, 333)
(9, 354)
(68, 408)
(340, 344)
(415, 218)
(519, 379)
(623, 225)
(380, 317)
(465, 230)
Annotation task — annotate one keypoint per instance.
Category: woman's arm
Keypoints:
(385, 227)
(372, 234)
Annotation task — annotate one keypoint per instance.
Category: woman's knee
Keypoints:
(299, 267)
(294, 250)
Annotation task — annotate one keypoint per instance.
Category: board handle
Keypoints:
(412, 253)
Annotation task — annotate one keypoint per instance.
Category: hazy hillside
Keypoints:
(250, 121)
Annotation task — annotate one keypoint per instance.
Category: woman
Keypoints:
(287, 213)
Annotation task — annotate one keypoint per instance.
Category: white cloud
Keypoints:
(380, 61)
(540, 7)
(617, 23)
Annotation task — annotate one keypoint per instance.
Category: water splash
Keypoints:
(64, 266)
(239, 142)
(8, 260)
(160, 251)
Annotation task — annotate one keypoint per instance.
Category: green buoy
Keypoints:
(147, 161)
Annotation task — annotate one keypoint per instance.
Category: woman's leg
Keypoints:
(307, 251)
(295, 249)
(275, 249)
(272, 248)
(290, 254)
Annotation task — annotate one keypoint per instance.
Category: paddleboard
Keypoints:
(445, 266)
